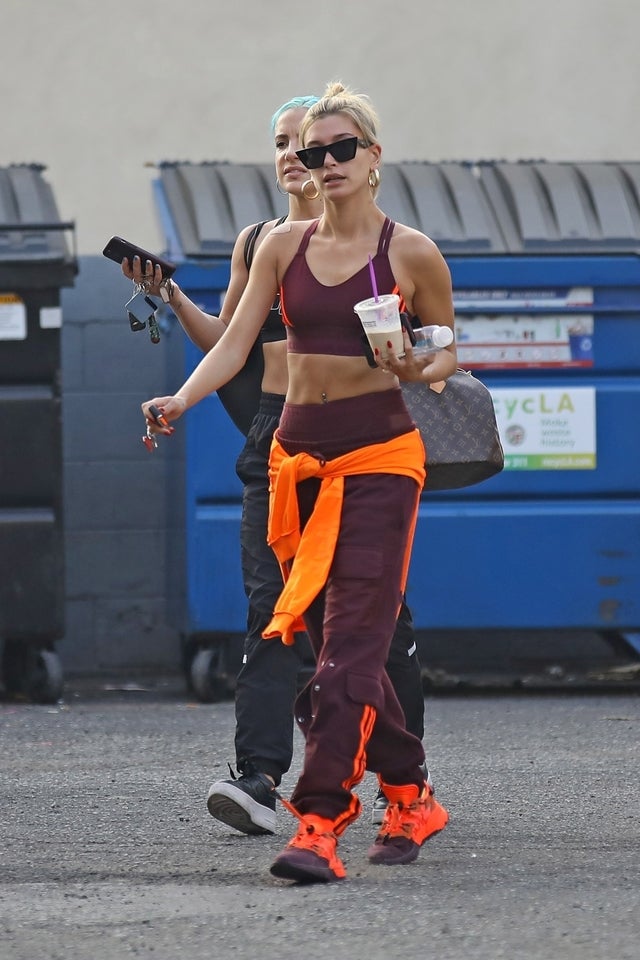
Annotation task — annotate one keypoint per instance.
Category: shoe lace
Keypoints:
(308, 838)
(400, 820)
(246, 769)
(250, 773)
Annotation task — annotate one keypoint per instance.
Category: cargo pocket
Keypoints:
(355, 574)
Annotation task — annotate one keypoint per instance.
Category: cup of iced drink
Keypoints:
(380, 318)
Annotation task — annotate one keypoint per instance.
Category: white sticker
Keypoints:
(547, 428)
(13, 317)
(50, 318)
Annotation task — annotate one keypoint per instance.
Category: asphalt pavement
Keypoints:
(108, 852)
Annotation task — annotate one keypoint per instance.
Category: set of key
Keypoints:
(141, 310)
(149, 438)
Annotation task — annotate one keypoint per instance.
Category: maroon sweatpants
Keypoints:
(351, 622)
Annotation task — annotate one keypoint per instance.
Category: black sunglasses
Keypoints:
(341, 151)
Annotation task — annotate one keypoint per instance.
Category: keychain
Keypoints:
(149, 438)
(154, 329)
(140, 309)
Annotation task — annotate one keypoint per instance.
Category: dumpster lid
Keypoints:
(209, 204)
(467, 207)
(31, 231)
(566, 208)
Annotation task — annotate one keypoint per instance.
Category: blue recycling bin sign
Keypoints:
(553, 541)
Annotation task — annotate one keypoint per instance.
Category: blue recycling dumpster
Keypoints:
(546, 274)
(552, 325)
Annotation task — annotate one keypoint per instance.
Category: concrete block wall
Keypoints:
(123, 506)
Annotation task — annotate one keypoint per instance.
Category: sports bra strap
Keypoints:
(385, 237)
(250, 244)
(304, 243)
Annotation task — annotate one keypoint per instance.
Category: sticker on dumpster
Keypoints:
(547, 428)
(523, 341)
(50, 318)
(13, 317)
(568, 298)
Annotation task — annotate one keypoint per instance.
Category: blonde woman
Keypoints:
(347, 469)
(267, 683)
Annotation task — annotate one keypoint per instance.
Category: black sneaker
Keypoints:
(379, 807)
(247, 803)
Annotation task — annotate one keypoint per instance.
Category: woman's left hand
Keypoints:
(411, 367)
(144, 273)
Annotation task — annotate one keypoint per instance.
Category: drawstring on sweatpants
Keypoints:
(288, 806)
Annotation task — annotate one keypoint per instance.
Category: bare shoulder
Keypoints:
(260, 230)
(412, 242)
(291, 227)
(284, 239)
(418, 267)
(252, 238)
(245, 232)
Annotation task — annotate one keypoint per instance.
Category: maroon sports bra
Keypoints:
(321, 319)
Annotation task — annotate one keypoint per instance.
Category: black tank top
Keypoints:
(273, 328)
(241, 395)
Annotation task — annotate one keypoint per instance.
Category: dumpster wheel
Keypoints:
(45, 681)
(32, 672)
(208, 675)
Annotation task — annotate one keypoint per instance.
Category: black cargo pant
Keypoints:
(267, 683)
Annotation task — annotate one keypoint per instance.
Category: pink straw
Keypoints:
(373, 280)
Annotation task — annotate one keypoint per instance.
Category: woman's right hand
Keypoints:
(144, 272)
(170, 407)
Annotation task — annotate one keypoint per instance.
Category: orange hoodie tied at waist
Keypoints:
(312, 550)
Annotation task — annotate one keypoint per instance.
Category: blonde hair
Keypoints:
(340, 99)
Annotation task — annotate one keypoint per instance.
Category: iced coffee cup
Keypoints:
(380, 319)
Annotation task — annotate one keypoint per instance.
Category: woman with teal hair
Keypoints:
(267, 682)
(296, 103)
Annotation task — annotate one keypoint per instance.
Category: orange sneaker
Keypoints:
(311, 856)
(410, 819)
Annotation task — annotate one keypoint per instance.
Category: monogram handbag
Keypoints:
(457, 421)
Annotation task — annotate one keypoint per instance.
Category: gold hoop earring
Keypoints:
(374, 178)
(309, 196)
(279, 188)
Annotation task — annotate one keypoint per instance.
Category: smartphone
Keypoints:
(117, 249)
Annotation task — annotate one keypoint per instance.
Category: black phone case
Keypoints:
(117, 249)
